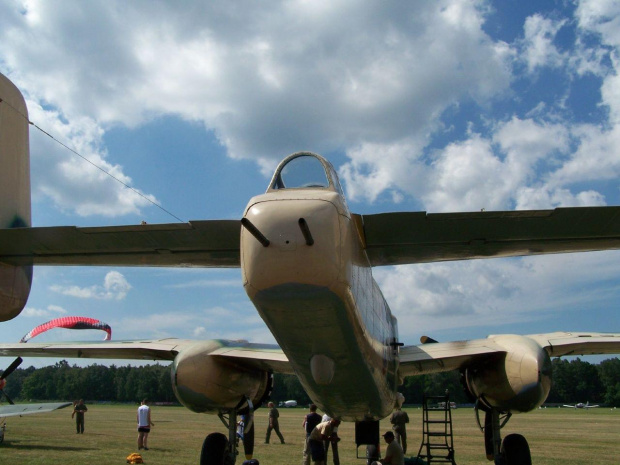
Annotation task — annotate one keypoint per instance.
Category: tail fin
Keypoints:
(15, 281)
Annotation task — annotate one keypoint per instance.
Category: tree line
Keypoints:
(573, 381)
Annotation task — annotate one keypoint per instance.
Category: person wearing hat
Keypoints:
(393, 453)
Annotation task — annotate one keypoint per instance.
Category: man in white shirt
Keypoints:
(144, 424)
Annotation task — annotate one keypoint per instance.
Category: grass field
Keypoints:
(556, 437)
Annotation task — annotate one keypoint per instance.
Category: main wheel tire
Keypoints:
(372, 454)
(516, 451)
(214, 449)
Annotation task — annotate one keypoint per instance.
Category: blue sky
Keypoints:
(436, 106)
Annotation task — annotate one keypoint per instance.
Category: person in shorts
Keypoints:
(144, 424)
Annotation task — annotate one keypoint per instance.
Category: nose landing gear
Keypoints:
(513, 450)
(217, 449)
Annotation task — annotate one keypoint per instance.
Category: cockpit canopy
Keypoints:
(305, 170)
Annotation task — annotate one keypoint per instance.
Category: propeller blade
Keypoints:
(2, 393)
(488, 435)
(248, 442)
(12, 367)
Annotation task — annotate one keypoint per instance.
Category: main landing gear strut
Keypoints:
(217, 449)
(514, 450)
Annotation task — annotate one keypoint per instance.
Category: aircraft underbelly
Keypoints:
(336, 363)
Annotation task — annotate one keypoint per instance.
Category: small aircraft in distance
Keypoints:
(581, 405)
(443, 405)
(288, 403)
(14, 410)
(306, 263)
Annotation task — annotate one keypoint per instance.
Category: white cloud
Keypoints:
(601, 17)
(375, 85)
(71, 182)
(341, 74)
(51, 310)
(436, 297)
(206, 283)
(539, 50)
(115, 287)
(209, 323)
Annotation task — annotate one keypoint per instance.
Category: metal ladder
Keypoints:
(437, 441)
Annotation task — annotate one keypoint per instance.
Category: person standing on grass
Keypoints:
(310, 421)
(79, 409)
(399, 420)
(144, 424)
(273, 423)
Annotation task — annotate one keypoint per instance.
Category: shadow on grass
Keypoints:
(16, 445)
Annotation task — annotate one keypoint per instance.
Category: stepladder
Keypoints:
(437, 441)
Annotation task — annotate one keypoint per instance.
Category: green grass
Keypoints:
(556, 437)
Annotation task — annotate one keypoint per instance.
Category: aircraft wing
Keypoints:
(448, 356)
(444, 356)
(267, 357)
(390, 239)
(27, 409)
(213, 243)
(404, 238)
(564, 343)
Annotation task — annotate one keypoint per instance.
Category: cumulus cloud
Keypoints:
(257, 74)
(539, 159)
(206, 283)
(481, 293)
(115, 287)
(207, 323)
(377, 86)
(51, 310)
(72, 183)
(538, 43)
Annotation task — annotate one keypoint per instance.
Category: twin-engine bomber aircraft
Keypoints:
(306, 264)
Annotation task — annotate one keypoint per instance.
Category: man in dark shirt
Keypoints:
(399, 420)
(273, 423)
(310, 421)
(78, 412)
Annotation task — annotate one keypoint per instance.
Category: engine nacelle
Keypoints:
(211, 383)
(518, 381)
(15, 280)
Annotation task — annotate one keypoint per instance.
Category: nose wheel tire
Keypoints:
(516, 451)
(372, 454)
(214, 449)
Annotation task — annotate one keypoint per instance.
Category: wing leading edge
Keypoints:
(267, 357)
(213, 243)
(405, 238)
(27, 409)
(448, 356)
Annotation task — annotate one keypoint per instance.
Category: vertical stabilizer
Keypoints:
(15, 281)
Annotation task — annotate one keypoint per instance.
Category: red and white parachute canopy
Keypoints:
(70, 322)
